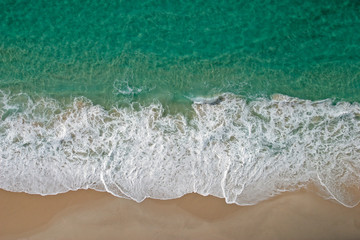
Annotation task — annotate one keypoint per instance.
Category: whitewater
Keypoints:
(242, 150)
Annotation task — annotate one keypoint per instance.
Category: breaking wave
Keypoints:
(240, 150)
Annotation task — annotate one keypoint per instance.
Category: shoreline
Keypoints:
(87, 214)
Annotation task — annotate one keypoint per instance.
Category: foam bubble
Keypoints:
(242, 151)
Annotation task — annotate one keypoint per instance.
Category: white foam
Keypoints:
(206, 100)
(242, 151)
(122, 86)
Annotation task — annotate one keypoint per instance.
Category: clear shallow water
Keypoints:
(100, 95)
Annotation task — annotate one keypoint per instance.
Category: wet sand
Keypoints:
(87, 214)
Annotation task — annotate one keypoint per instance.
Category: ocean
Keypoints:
(241, 100)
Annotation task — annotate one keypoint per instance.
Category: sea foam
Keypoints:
(243, 151)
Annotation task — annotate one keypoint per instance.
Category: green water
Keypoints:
(123, 51)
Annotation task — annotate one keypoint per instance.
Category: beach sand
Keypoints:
(87, 214)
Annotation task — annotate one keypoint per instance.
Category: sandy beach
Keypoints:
(87, 214)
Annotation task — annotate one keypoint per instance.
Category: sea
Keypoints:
(242, 100)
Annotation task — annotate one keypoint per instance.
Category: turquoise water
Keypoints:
(99, 48)
(112, 89)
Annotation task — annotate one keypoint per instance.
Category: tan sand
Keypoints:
(89, 215)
